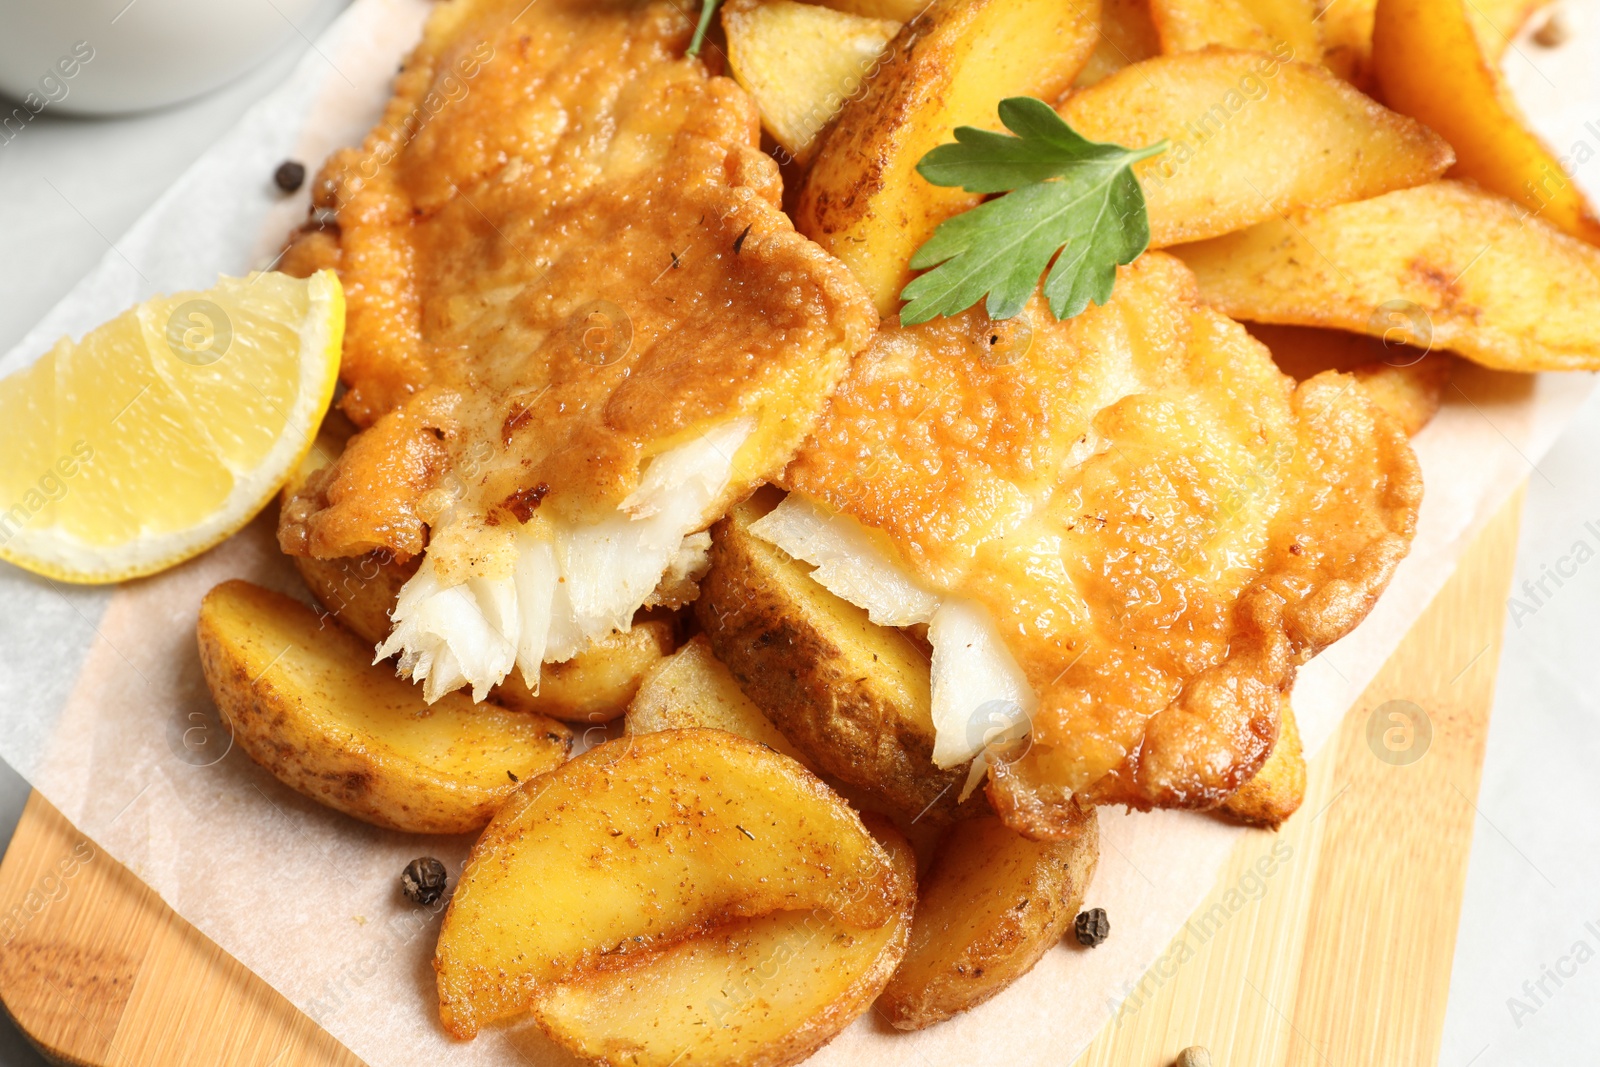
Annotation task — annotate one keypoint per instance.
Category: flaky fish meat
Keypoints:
(579, 326)
(1124, 533)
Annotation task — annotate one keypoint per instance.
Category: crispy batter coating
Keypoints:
(1407, 382)
(563, 254)
(1162, 525)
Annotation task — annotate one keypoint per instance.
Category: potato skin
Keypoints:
(596, 684)
(1396, 266)
(851, 696)
(693, 688)
(949, 66)
(305, 702)
(989, 908)
(359, 591)
(1430, 64)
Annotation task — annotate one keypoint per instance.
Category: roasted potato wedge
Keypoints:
(637, 845)
(1430, 65)
(1444, 265)
(1252, 139)
(596, 684)
(1408, 383)
(304, 700)
(359, 591)
(949, 66)
(1279, 787)
(1347, 33)
(1127, 36)
(992, 904)
(1287, 28)
(1347, 40)
(767, 991)
(800, 63)
(692, 688)
(852, 696)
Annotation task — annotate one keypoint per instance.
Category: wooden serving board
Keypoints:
(1339, 953)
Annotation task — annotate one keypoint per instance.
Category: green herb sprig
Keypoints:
(1064, 194)
(707, 8)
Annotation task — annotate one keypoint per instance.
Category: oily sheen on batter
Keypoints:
(564, 255)
(1161, 525)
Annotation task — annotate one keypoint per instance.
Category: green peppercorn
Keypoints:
(1092, 927)
(424, 881)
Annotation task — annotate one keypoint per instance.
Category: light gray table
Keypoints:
(69, 187)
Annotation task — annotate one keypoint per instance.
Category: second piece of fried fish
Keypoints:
(579, 326)
(1128, 529)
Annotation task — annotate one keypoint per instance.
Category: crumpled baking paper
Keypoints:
(103, 708)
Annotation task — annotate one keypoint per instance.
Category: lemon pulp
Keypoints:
(166, 429)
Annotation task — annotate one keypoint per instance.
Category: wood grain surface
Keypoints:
(1328, 943)
(1331, 942)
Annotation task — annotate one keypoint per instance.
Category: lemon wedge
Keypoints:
(166, 429)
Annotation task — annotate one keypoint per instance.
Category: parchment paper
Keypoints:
(103, 709)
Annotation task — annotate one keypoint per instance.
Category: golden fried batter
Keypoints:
(1408, 383)
(1161, 524)
(563, 254)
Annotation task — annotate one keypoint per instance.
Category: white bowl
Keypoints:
(107, 56)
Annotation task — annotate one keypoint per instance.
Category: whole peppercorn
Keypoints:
(1193, 1056)
(1092, 927)
(1554, 33)
(424, 881)
(289, 176)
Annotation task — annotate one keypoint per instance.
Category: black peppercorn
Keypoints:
(1092, 927)
(289, 176)
(424, 881)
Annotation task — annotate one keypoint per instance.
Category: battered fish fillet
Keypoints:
(1129, 529)
(579, 327)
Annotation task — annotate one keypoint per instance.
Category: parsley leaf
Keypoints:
(1062, 191)
(706, 8)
